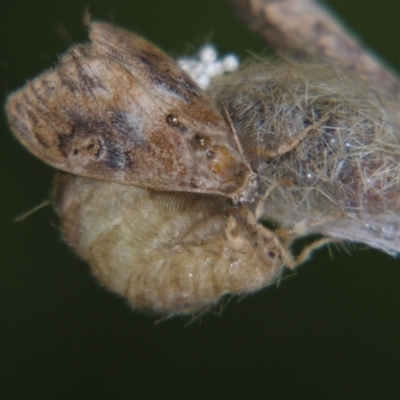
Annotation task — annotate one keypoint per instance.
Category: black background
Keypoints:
(331, 331)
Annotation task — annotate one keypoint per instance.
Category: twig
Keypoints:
(304, 30)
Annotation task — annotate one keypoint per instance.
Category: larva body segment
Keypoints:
(165, 252)
(328, 142)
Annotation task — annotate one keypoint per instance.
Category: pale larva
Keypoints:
(168, 253)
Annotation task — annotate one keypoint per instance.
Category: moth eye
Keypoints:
(172, 120)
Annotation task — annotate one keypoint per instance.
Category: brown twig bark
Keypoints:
(304, 30)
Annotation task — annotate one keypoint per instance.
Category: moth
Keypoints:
(120, 109)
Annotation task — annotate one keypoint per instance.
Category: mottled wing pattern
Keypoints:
(159, 74)
(119, 109)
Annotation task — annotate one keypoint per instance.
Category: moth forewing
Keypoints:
(120, 109)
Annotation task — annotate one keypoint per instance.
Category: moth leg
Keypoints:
(289, 237)
(263, 199)
(284, 251)
(300, 229)
(286, 147)
(305, 255)
(270, 237)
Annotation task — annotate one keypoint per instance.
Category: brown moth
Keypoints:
(120, 109)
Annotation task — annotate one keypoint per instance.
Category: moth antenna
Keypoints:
(260, 204)
(229, 122)
(26, 214)
(286, 147)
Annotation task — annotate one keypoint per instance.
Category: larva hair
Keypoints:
(328, 141)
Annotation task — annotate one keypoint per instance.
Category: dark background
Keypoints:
(331, 331)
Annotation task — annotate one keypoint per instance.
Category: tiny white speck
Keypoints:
(206, 65)
(230, 63)
(214, 69)
(203, 81)
(187, 64)
(208, 54)
(334, 140)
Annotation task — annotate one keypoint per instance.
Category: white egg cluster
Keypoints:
(206, 65)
